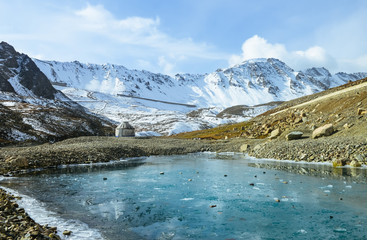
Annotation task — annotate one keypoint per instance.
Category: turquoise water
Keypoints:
(206, 196)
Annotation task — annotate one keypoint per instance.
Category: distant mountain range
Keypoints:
(156, 103)
(253, 82)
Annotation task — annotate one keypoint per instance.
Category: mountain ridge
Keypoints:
(144, 98)
(271, 78)
(251, 83)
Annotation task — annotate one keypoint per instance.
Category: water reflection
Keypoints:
(89, 168)
(316, 170)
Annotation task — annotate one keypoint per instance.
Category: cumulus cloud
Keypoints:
(94, 34)
(258, 47)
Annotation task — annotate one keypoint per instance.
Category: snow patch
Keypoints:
(21, 136)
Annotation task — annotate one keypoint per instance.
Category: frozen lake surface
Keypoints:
(202, 196)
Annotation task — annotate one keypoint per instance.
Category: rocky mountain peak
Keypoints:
(7, 48)
(321, 71)
(20, 75)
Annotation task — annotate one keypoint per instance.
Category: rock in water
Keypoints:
(325, 130)
(294, 135)
(67, 233)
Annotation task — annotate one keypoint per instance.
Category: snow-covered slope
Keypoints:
(105, 89)
(32, 109)
(253, 82)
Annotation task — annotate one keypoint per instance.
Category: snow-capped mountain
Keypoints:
(122, 94)
(253, 82)
(32, 109)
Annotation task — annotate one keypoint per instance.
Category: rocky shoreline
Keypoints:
(316, 150)
(16, 160)
(16, 224)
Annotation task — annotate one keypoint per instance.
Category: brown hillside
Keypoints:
(336, 105)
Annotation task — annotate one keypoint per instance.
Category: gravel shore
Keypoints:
(16, 224)
(101, 149)
(314, 150)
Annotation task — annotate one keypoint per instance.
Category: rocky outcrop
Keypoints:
(19, 68)
(32, 110)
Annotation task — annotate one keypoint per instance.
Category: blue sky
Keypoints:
(194, 36)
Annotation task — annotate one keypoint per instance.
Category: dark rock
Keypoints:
(294, 135)
(67, 233)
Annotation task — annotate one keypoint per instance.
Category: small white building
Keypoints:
(125, 130)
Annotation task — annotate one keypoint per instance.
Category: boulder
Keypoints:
(294, 135)
(244, 148)
(298, 120)
(355, 163)
(275, 133)
(339, 162)
(322, 131)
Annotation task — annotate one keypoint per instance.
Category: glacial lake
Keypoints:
(199, 196)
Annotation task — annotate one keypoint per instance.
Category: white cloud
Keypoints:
(258, 47)
(345, 37)
(94, 34)
(167, 66)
